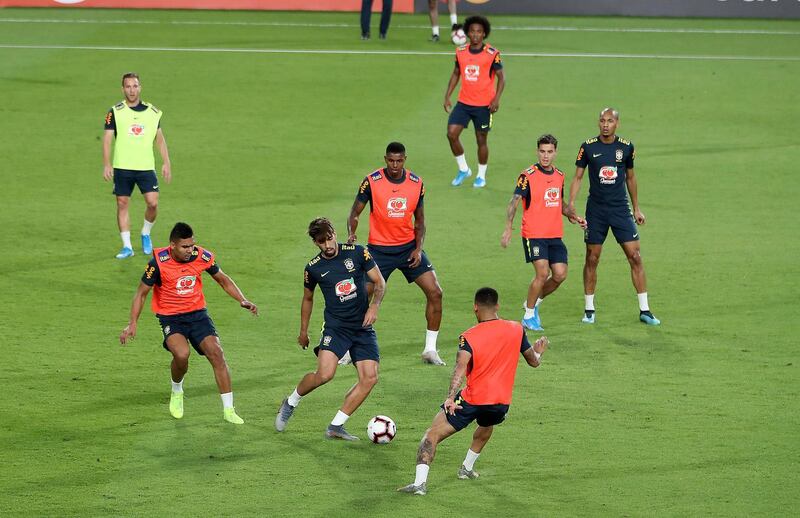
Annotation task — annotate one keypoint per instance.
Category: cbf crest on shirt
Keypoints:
(342, 281)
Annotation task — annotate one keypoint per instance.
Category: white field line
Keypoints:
(401, 53)
(534, 28)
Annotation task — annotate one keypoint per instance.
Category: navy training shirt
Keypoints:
(608, 166)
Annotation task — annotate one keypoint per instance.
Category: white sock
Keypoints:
(430, 340)
(589, 302)
(469, 460)
(177, 386)
(453, 18)
(294, 398)
(126, 239)
(422, 474)
(482, 170)
(461, 160)
(435, 29)
(340, 419)
(539, 302)
(147, 227)
(528, 312)
(227, 400)
(643, 306)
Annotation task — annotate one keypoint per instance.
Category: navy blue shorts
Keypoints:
(362, 343)
(195, 326)
(552, 249)
(125, 179)
(480, 116)
(485, 415)
(599, 219)
(391, 258)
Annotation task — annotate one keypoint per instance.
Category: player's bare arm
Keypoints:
(108, 170)
(233, 290)
(379, 288)
(166, 167)
(534, 355)
(415, 258)
(451, 85)
(633, 192)
(511, 211)
(129, 333)
(501, 84)
(460, 370)
(306, 306)
(575, 188)
(352, 220)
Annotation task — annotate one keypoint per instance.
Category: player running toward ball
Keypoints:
(397, 233)
(610, 162)
(479, 67)
(175, 275)
(541, 189)
(488, 355)
(340, 271)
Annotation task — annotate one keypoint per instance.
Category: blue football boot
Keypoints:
(648, 318)
(124, 253)
(147, 244)
(532, 323)
(479, 182)
(588, 316)
(460, 177)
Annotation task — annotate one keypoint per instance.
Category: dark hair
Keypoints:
(395, 147)
(547, 139)
(486, 297)
(180, 231)
(129, 75)
(487, 28)
(320, 227)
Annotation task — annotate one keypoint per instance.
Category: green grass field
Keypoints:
(698, 417)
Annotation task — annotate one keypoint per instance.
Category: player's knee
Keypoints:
(152, 204)
(181, 357)
(452, 135)
(122, 202)
(216, 356)
(370, 380)
(592, 260)
(540, 277)
(324, 377)
(435, 295)
(559, 277)
(635, 258)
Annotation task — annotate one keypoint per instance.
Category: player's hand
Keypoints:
(351, 239)
(639, 217)
(541, 344)
(450, 406)
(415, 258)
(302, 339)
(447, 105)
(166, 172)
(249, 306)
(128, 334)
(494, 105)
(575, 219)
(371, 316)
(108, 173)
(506, 237)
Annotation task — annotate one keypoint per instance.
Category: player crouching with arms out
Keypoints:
(488, 357)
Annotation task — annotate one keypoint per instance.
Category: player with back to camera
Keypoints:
(397, 234)
(541, 189)
(433, 12)
(610, 160)
(175, 275)
(340, 271)
(488, 355)
(133, 126)
(478, 66)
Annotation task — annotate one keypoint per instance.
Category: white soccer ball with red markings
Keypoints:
(459, 37)
(381, 429)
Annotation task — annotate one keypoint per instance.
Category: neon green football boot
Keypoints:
(229, 414)
(176, 405)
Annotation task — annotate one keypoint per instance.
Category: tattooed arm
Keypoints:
(462, 362)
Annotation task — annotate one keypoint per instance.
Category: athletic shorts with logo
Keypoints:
(480, 116)
(361, 342)
(125, 179)
(600, 218)
(485, 415)
(391, 258)
(552, 249)
(196, 326)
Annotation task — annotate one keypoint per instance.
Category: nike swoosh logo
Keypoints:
(429, 265)
(484, 126)
(326, 273)
(636, 235)
(597, 155)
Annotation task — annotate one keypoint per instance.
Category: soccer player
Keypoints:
(433, 10)
(488, 355)
(541, 189)
(610, 162)
(366, 14)
(175, 275)
(133, 125)
(340, 271)
(397, 233)
(479, 66)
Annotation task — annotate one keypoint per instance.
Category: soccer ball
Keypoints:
(381, 429)
(459, 37)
